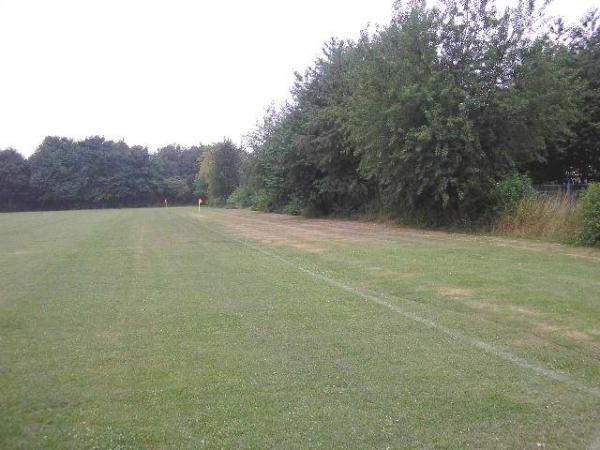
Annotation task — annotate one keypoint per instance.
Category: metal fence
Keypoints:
(569, 191)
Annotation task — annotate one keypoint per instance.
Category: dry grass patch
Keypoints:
(485, 306)
(578, 335)
(455, 292)
(548, 328)
(541, 216)
(523, 310)
(490, 306)
(276, 238)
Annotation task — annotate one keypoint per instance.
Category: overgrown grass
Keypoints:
(542, 216)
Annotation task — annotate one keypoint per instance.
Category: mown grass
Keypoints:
(156, 328)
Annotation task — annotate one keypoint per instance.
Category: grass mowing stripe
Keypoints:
(383, 300)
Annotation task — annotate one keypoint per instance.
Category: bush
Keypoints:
(262, 201)
(293, 207)
(219, 202)
(510, 191)
(242, 197)
(589, 215)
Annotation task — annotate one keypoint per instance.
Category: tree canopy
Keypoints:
(219, 173)
(427, 114)
(14, 181)
(97, 173)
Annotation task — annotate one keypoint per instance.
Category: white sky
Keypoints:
(155, 72)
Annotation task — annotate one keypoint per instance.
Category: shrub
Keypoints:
(589, 215)
(510, 191)
(293, 207)
(262, 201)
(219, 202)
(242, 197)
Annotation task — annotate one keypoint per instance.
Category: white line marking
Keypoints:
(380, 299)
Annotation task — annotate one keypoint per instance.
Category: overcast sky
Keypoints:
(155, 72)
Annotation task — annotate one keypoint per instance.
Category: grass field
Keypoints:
(154, 328)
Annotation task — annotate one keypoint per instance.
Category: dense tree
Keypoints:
(176, 168)
(220, 170)
(421, 118)
(576, 155)
(93, 172)
(584, 146)
(323, 141)
(55, 177)
(96, 172)
(302, 157)
(451, 99)
(14, 181)
(268, 171)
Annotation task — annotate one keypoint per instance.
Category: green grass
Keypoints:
(156, 328)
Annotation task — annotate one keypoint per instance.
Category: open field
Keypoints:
(166, 328)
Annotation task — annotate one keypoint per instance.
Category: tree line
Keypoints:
(426, 116)
(99, 173)
(425, 119)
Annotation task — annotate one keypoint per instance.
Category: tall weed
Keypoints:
(542, 216)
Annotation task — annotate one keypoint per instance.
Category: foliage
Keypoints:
(511, 190)
(55, 170)
(273, 169)
(175, 169)
(178, 189)
(14, 181)
(294, 207)
(242, 197)
(590, 215)
(95, 172)
(220, 170)
(575, 155)
(422, 118)
(263, 201)
(327, 177)
(583, 146)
